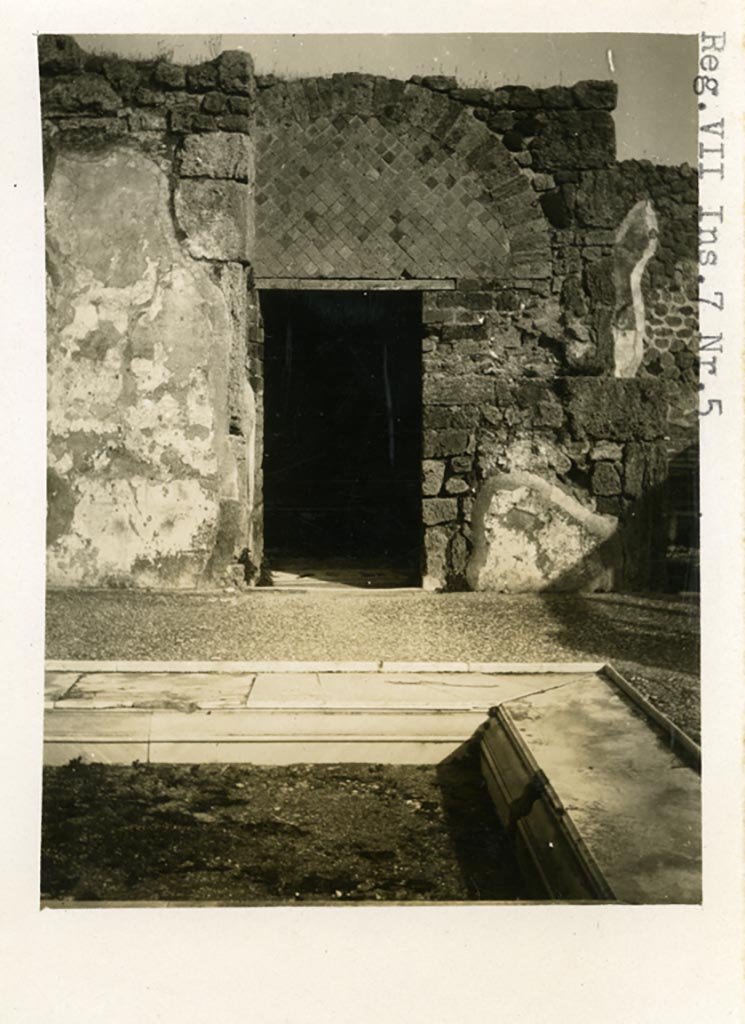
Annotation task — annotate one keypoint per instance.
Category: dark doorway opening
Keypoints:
(342, 436)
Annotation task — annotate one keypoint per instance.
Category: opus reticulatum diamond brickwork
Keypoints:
(364, 197)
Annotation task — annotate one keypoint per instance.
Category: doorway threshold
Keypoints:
(339, 574)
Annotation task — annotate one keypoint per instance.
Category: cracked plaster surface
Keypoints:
(138, 375)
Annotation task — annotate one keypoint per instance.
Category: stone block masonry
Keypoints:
(224, 155)
(215, 218)
(559, 360)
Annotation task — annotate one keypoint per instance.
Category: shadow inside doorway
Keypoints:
(342, 440)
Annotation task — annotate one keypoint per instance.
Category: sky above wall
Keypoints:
(656, 117)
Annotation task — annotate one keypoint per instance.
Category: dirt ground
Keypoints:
(258, 835)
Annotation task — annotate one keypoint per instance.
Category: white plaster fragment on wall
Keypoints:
(81, 391)
(120, 521)
(529, 535)
(249, 415)
(149, 374)
(635, 245)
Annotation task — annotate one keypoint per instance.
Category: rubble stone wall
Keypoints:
(574, 367)
(559, 359)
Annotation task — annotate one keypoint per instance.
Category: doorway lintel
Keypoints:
(355, 284)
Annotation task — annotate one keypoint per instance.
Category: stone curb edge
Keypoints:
(489, 667)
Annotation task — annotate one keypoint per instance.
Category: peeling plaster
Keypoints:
(137, 377)
(129, 519)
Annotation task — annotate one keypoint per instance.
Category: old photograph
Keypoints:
(373, 408)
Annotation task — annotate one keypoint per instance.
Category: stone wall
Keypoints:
(559, 358)
(152, 422)
(501, 399)
(575, 375)
(593, 209)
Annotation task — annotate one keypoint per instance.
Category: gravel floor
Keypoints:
(655, 643)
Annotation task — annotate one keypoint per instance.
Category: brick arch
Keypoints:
(359, 177)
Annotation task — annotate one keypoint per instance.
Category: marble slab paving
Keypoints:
(57, 684)
(179, 691)
(425, 690)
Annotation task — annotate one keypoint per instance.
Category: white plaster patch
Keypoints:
(149, 373)
(69, 561)
(530, 535)
(150, 414)
(537, 456)
(198, 406)
(61, 465)
(95, 303)
(77, 391)
(138, 518)
(157, 426)
(83, 323)
(628, 341)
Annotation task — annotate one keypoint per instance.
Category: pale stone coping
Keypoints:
(183, 667)
(690, 746)
(590, 809)
(278, 752)
(249, 741)
(240, 736)
(388, 692)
